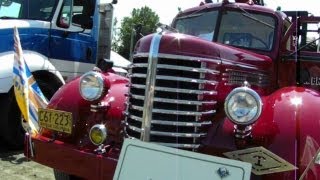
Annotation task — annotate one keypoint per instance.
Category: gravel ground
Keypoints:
(13, 165)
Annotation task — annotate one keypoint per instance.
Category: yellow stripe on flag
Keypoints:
(28, 95)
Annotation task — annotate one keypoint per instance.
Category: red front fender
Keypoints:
(289, 127)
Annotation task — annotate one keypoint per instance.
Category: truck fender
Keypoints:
(290, 125)
(35, 62)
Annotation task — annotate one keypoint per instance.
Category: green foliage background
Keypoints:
(144, 16)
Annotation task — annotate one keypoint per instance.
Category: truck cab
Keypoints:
(235, 80)
(60, 40)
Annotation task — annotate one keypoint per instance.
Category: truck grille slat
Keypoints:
(175, 90)
(179, 115)
(181, 68)
(172, 78)
(173, 123)
(171, 134)
(175, 112)
(177, 101)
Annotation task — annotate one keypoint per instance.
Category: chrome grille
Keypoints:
(179, 113)
(166, 99)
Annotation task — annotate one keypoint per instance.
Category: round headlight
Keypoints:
(98, 134)
(243, 106)
(91, 86)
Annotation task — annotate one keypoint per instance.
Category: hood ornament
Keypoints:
(163, 27)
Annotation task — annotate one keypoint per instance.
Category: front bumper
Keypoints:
(66, 158)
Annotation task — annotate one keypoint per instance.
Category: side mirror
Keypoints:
(64, 22)
(105, 64)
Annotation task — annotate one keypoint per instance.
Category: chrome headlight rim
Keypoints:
(252, 93)
(102, 128)
(100, 80)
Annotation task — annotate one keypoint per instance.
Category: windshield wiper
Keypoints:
(248, 15)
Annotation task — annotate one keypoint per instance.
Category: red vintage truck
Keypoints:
(225, 77)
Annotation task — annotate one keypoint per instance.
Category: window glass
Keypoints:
(248, 30)
(31, 9)
(201, 25)
(83, 12)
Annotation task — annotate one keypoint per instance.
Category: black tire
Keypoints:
(12, 132)
(59, 175)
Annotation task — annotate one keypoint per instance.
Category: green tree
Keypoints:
(144, 18)
(115, 36)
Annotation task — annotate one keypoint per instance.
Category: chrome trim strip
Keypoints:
(172, 78)
(172, 56)
(173, 123)
(175, 90)
(170, 134)
(177, 101)
(173, 67)
(150, 84)
(164, 111)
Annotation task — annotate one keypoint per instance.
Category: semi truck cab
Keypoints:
(60, 40)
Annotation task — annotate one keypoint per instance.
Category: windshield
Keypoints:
(237, 28)
(27, 9)
(201, 25)
(255, 31)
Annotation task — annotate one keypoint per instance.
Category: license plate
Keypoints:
(60, 121)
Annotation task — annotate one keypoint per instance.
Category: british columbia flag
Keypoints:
(27, 92)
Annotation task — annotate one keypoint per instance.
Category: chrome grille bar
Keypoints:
(175, 90)
(176, 101)
(150, 83)
(175, 112)
(182, 68)
(174, 123)
(172, 78)
(171, 134)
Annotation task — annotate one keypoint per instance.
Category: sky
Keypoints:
(167, 9)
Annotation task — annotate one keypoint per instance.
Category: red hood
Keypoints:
(182, 44)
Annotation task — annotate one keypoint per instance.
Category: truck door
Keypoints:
(305, 52)
(73, 43)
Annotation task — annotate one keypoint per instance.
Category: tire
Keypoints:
(59, 175)
(12, 132)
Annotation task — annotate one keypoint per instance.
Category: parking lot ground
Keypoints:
(15, 166)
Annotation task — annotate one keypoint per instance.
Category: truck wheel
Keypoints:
(59, 175)
(11, 128)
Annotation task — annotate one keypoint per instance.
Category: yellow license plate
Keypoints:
(55, 120)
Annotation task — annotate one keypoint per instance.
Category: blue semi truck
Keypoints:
(60, 39)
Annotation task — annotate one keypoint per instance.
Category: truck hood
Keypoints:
(232, 65)
(182, 44)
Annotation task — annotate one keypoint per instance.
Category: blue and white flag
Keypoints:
(27, 92)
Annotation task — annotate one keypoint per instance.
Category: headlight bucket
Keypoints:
(92, 86)
(98, 134)
(243, 106)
